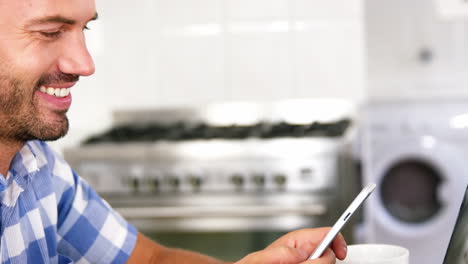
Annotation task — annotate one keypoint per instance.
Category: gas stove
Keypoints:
(281, 165)
(180, 131)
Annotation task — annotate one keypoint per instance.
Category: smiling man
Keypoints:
(48, 214)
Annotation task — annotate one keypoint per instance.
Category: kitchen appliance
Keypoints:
(224, 179)
(416, 151)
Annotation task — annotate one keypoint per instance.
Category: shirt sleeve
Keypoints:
(89, 230)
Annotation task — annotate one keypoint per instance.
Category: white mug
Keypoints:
(376, 254)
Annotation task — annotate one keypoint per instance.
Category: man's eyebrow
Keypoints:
(57, 19)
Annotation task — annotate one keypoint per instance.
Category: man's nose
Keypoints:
(76, 59)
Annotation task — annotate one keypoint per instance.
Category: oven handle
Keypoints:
(221, 211)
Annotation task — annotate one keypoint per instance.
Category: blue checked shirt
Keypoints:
(50, 215)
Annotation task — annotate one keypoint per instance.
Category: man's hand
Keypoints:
(292, 248)
(296, 247)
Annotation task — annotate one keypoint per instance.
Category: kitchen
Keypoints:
(195, 54)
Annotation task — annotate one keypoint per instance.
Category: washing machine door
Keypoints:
(409, 190)
(418, 186)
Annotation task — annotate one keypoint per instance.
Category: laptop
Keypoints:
(457, 251)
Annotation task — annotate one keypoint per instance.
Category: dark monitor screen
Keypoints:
(457, 252)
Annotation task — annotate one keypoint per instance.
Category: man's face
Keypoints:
(42, 54)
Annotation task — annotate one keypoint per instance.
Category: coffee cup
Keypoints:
(376, 254)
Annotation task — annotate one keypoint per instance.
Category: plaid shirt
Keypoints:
(50, 215)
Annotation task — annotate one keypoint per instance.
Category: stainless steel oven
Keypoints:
(223, 188)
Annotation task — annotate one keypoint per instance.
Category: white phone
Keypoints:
(360, 198)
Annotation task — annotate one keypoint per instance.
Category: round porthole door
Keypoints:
(409, 190)
(416, 187)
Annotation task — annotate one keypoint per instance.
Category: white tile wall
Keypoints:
(185, 12)
(329, 65)
(191, 69)
(175, 52)
(330, 10)
(257, 9)
(259, 65)
(397, 32)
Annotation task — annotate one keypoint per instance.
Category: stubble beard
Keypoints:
(21, 117)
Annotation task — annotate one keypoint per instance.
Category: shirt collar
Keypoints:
(25, 164)
(27, 161)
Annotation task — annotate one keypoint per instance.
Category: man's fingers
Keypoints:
(287, 255)
(308, 239)
(340, 247)
(275, 255)
(328, 257)
(310, 235)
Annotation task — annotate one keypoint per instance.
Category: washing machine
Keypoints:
(417, 154)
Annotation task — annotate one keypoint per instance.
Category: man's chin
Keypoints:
(45, 131)
(42, 135)
(55, 128)
(53, 133)
(53, 137)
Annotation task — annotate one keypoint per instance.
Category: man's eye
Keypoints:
(54, 34)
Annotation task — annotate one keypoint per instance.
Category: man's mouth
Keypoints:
(57, 92)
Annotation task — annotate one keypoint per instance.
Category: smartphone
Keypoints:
(360, 198)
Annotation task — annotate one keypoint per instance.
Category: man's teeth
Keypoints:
(57, 92)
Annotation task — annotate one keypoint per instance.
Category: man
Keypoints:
(48, 214)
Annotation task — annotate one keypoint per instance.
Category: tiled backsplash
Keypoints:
(414, 52)
(173, 52)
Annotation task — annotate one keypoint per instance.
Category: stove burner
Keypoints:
(185, 131)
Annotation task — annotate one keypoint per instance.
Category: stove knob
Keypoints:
(196, 182)
(237, 180)
(280, 179)
(259, 179)
(173, 181)
(155, 183)
(134, 184)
